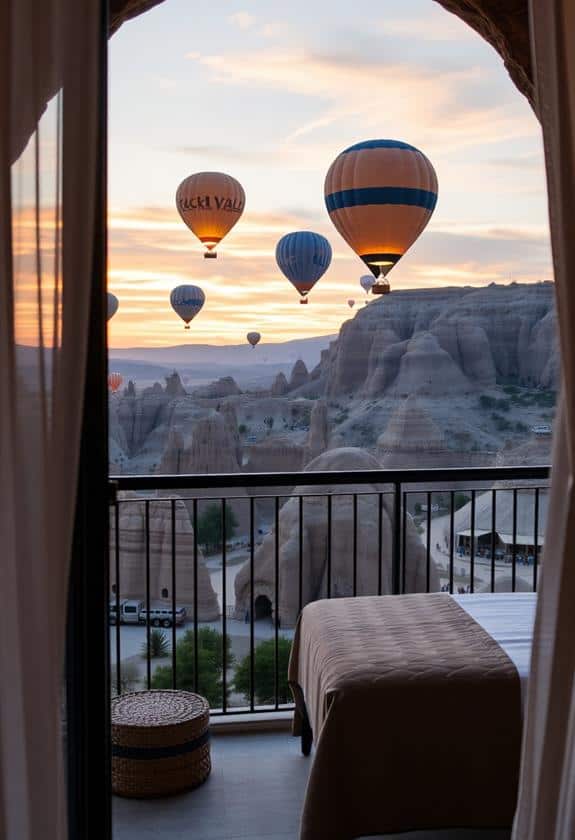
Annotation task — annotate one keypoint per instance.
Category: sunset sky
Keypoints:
(271, 94)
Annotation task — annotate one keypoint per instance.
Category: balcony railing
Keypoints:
(375, 532)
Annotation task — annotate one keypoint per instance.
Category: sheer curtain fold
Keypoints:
(546, 809)
(49, 88)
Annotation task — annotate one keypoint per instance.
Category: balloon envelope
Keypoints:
(380, 195)
(113, 304)
(114, 381)
(187, 301)
(351, 303)
(210, 203)
(366, 282)
(253, 338)
(303, 257)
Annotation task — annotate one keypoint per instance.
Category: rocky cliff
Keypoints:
(440, 342)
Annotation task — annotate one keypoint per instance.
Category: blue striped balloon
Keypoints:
(303, 257)
(186, 302)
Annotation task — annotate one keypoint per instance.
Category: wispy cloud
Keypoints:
(436, 108)
(243, 20)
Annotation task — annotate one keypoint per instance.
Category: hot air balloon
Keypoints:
(113, 304)
(303, 257)
(186, 302)
(210, 203)
(382, 287)
(366, 282)
(253, 338)
(380, 195)
(114, 381)
(351, 303)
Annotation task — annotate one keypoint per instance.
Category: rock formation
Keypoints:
(132, 556)
(228, 412)
(274, 454)
(452, 340)
(172, 457)
(299, 375)
(174, 387)
(280, 386)
(412, 439)
(315, 560)
(212, 448)
(318, 432)
(226, 386)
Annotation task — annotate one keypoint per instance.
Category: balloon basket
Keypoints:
(187, 327)
(210, 255)
(304, 301)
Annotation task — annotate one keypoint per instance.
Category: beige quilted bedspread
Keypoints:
(416, 717)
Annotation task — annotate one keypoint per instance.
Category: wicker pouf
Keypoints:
(160, 743)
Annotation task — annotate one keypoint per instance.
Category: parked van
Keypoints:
(162, 616)
(129, 611)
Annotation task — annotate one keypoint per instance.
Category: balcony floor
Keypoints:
(255, 791)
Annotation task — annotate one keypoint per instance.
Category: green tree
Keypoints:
(264, 673)
(210, 527)
(159, 645)
(210, 665)
(459, 500)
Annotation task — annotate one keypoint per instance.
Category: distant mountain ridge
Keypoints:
(308, 349)
(201, 363)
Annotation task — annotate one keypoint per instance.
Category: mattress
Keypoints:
(508, 617)
(411, 693)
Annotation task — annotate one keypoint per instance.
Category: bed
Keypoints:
(414, 704)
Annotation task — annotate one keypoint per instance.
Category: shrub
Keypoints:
(209, 665)
(264, 673)
(159, 645)
(459, 500)
(242, 428)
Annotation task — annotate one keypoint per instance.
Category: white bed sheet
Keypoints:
(508, 617)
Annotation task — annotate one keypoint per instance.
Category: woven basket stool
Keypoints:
(160, 743)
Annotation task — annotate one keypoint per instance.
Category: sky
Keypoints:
(271, 93)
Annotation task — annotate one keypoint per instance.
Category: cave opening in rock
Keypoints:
(262, 607)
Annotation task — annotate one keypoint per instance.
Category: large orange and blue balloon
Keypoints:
(380, 195)
(303, 257)
(210, 203)
(186, 302)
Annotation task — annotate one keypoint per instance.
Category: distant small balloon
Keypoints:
(351, 303)
(114, 381)
(113, 304)
(366, 282)
(253, 338)
(186, 302)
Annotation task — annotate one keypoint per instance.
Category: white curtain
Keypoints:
(49, 66)
(546, 809)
